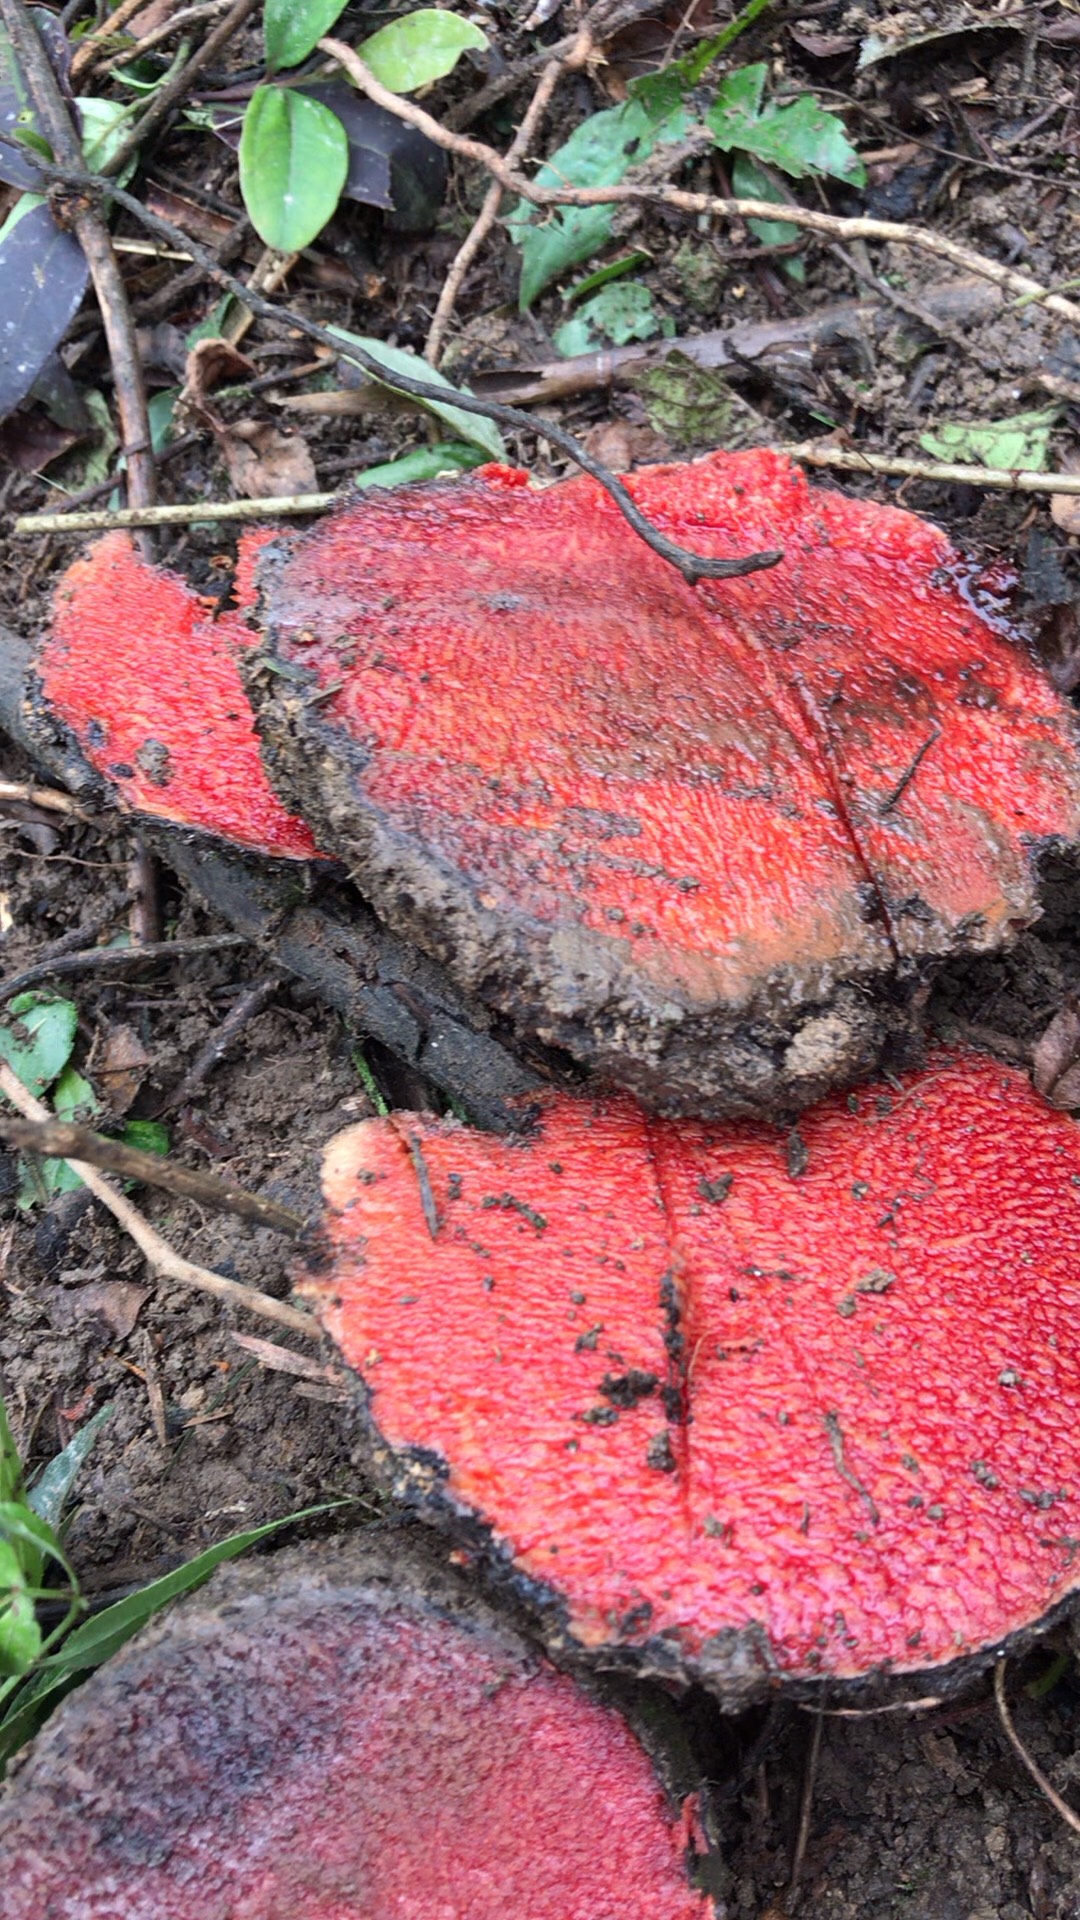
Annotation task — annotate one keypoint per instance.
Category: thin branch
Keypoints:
(945, 473)
(186, 17)
(26, 791)
(95, 42)
(692, 566)
(489, 212)
(834, 226)
(806, 1807)
(160, 1256)
(1050, 1793)
(103, 959)
(604, 19)
(179, 514)
(92, 234)
(63, 1140)
(177, 85)
(250, 1002)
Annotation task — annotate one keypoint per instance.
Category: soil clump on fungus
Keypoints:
(926, 1815)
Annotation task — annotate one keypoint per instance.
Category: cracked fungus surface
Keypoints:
(147, 680)
(822, 1391)
(802, 773)
(354, 1757)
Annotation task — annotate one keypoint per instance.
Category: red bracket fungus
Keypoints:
(146, 679)
(349, 1736)
(730, 1407)
(664, 827)
(702, 838)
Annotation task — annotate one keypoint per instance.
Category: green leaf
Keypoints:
(692, 406)
(751, 182)
(11, 1480)
(465, 426)
(294, 157)
(53, 1484)
(422, 463)
(32, 1540)
(600, 152)
(613, 270)
(38, 1049)
(419, 48)
(292, 28)
(73, 1098)
(738, 101)
(800, 138)
(621, 312)
(150, 1136)
(1020, 442)
(104, 126)
(20, 1635)
(217, 322)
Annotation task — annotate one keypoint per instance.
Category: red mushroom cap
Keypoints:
(149, 684)
(347, 1737)
(637, 815)
(745, 1409)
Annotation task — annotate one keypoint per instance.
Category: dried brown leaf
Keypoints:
(263, 462)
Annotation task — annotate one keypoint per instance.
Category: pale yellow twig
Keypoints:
(946, 472)
(45, 797)
(181, 514)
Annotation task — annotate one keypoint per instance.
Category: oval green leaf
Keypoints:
(294, 156)
(472, 427)
(291, 28)
(419, 48)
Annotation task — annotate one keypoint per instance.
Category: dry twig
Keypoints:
(163, 1259)
(489, 212)
(63, 1140)
(180, 514)
(172, 91)
(815, 453)
(28, 793)
(812, 453)
(103, 959)
(1049, 1792)
(833, 226)
(95, 42)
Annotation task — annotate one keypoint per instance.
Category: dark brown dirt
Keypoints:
(927, 1816)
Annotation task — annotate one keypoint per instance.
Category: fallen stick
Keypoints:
(958, 302)
(945, 473)
(64, 1140)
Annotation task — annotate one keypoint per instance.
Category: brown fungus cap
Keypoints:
(734, 1406)
(343, 1733)
(676, 830)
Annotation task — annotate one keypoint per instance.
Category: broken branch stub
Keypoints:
(725, 1406)
(343, 1733)
(691, 835)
